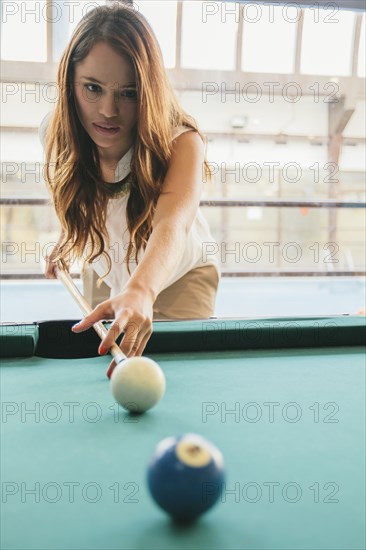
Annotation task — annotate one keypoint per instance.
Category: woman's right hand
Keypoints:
(52, 266)
(50, 269)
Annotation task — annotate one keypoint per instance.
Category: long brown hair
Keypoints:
(72, 167)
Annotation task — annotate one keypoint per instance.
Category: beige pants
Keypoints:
(193, 296)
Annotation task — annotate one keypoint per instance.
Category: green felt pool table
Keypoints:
(283, 399)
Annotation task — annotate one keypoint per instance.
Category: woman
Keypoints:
(124, 164)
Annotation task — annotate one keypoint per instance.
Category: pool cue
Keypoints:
(99, 328)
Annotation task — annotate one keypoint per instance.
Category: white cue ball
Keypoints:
(137, 384)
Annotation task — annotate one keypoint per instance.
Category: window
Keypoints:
(327, 44)
(361, 52)
(66, 18)
(208, 38)
(162, 17)
(23, 32)
(269, 42)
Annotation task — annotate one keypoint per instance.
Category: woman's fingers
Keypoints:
(50, 272)
(143, 343)
(136, 335)
(102, 311)
(131, 338)
(51, 266)
(134, 352)
(115, 330)
(111, 368)
(137, 330)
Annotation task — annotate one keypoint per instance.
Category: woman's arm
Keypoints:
(175, 211)
(132, 309)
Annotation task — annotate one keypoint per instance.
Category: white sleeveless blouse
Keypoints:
(199, 240)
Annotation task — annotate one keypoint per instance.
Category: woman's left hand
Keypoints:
(132, 311)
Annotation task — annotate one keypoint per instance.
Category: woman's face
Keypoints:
(111, 101)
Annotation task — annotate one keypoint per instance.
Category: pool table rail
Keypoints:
(54, 339)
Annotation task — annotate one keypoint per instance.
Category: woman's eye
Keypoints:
(87, 86)
(129, 94)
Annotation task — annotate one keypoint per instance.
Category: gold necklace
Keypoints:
(119, 188)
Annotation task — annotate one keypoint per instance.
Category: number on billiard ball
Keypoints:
(185, 476)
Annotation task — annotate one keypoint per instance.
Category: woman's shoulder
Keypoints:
(178, 130)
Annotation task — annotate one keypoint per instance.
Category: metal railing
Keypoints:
(224, 202)
(278, 203)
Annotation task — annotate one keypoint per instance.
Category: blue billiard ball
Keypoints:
(185, 476)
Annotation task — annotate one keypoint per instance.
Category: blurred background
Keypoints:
(279, 91)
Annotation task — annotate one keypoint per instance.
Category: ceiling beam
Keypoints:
(354, 5)
(340, 114)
